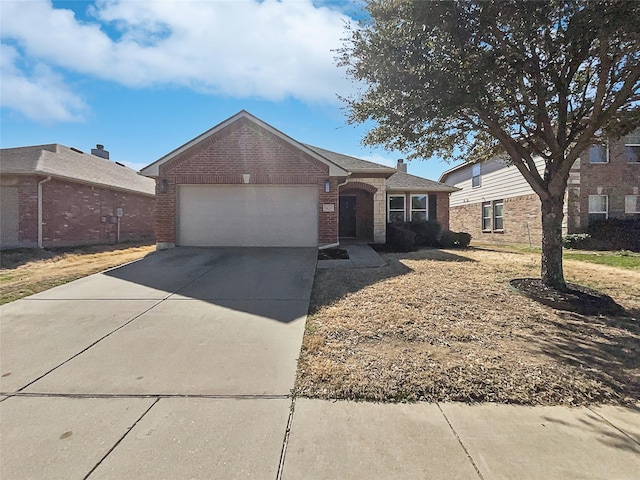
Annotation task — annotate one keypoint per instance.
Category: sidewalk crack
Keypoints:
(614, 426)
(285, 442)
(120, 440)
(464, 448)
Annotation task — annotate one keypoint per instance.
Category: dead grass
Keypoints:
(443, 325)
(28, 271)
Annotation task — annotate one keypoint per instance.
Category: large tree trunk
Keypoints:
(552, 215)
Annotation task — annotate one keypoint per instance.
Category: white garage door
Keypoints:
(247, 215)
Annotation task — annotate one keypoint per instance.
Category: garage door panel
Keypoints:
(247, 215)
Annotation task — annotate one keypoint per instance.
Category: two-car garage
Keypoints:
(247, 215)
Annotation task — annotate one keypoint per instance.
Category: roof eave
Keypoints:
(153, 170)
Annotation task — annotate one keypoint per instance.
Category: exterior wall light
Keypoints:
(164, 186)
(327, 186)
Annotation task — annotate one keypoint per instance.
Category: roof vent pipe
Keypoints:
(99, 151)
(402, 167)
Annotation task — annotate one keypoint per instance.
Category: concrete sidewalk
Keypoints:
(331, 440)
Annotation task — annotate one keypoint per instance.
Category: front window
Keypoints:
(492, 216)
(475, 175)
(497, 215)
(598, 207)
(598, 154)
(486, 216)
(396, 210)
(419, 208)
(632, 204)
(632, 153)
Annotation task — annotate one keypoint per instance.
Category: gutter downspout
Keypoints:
(40, 210)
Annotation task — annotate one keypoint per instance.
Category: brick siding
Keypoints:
(78, 214)
(243, 148)
(616, 179)
(522, 219)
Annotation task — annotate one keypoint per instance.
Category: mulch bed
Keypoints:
(333, 254)
(576, 298)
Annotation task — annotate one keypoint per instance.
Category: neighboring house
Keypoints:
(56, 196)
(495, 203)
(245, 183)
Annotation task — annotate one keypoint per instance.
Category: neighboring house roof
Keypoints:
(352, 164)
(63, 162)
(454, 169)
(154, 168)
(401, 181)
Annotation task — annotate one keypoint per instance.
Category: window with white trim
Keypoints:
(632, 152)
(632, 204)
(598, 153)
(475, 175)
(497, 215)
(419, 208)
(632, 147)
(493, 216)
(598, 207)
(396, 208)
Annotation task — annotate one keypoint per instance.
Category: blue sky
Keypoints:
(143, 77)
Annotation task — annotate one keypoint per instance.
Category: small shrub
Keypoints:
(449, 239)
(427, 232)
(577, 241)
(464, 239)
(400, 238)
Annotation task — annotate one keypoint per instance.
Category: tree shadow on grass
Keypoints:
(603, 348)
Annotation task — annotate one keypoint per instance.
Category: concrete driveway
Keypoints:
(183, 360)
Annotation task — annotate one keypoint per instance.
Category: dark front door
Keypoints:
(347, 216)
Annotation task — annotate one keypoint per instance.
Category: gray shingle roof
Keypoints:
(349, 163)
(397, 181)
(407, 182)
(62, 162)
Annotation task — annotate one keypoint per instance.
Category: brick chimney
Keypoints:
(99, 151)
(402, 167)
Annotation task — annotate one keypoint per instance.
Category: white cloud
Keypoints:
(40, 95)
(242, 48)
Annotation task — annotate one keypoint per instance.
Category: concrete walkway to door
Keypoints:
(176, 366)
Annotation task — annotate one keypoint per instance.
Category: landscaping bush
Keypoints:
(449, 239)
(400, 238)
(427, 232)
(577, 241)
(615, 234)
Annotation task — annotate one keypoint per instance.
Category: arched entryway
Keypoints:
(355, 219)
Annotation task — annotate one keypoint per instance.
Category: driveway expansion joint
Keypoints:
(149, 395)
(115, 445)
(90, 346)
(285, 442)
(473, 463)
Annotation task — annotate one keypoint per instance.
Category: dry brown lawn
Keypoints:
(439, 325)
(25, 272)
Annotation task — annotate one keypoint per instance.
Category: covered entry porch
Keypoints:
(362, 212)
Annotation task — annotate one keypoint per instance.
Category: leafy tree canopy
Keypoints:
(470, 79)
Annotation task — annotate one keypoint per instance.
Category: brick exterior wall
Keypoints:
(615, 179)
(522, 220)
(442, 210)
(240, 148)
(77, 214)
